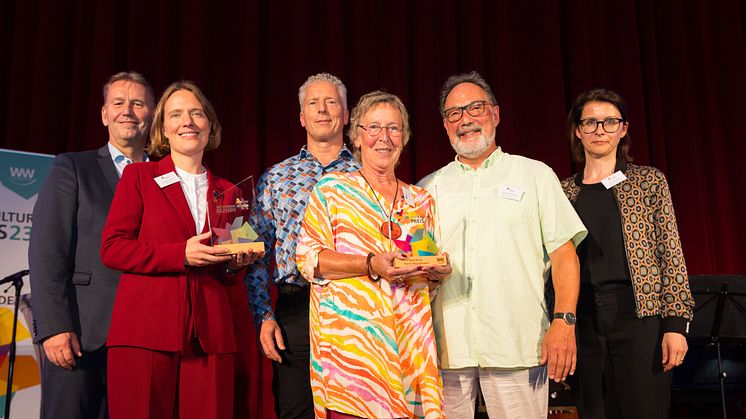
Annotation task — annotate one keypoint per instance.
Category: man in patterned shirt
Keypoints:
(281, 198)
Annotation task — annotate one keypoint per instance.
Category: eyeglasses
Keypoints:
(375, 129)
(590, 125)
(474, 109)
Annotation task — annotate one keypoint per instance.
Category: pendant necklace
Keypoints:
(389, 229)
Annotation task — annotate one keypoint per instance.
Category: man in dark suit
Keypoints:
(73, 291)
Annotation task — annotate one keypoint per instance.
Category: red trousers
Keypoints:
(151, 384)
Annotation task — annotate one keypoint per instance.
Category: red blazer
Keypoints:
(159, 300)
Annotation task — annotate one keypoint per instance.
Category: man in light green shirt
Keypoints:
(505, 223)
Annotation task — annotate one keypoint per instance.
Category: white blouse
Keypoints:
(195, 192)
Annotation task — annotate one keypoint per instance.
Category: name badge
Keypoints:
(614, 179)
(510, 192)
(408, 198)
(167, 179)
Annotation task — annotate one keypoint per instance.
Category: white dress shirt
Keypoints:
(195, 192)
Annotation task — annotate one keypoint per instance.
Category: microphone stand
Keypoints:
(15, 280)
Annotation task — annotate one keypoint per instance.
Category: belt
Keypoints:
(290, 289)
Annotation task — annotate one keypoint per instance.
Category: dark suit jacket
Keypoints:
(72, 290)
(161, 303)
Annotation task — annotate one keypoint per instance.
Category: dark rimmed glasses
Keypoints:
(375, 129)
(474, 109)
(590, 125)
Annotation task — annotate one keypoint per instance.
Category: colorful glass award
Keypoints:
(229, 218)
(421, 250)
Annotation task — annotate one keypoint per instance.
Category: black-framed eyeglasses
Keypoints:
(375, 129)
(590, 125)
(474, 109)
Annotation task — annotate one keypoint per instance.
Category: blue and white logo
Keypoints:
(22, 172)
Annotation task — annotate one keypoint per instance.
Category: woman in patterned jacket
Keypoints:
(373, 349)
(635, 303)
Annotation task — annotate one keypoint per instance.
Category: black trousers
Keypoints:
(76, 394)
(619, 372)
(292, 381)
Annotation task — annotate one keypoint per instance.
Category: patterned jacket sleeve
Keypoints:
(257, 275)
(315, 234)
(677, 299)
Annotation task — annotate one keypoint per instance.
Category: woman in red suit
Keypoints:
(180, 308)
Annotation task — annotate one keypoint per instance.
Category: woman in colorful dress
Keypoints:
(373, 351)
(634, 303)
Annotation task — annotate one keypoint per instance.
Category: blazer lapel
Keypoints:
(214, 197)
(175, 195)
(107, 167)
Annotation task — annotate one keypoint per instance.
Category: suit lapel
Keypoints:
(175, 195)
(107, 167)
(214, 198)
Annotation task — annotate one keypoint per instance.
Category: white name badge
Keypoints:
(510, 192)
(614, 179)
(167, 179)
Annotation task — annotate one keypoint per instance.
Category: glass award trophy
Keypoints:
(418, 243)
(421, 250)
(228, 212)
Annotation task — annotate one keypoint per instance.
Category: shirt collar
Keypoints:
(344, 154)
(490, 161)
(183, 174)
(119, 159)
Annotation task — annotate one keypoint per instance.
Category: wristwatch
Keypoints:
(569, 318)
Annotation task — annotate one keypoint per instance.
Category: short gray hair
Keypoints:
(131, 76)
(455, 80)
(369, 101)
(341, 89)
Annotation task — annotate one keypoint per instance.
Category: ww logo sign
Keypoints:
(23, 173)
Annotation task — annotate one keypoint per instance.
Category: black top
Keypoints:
(603, 260)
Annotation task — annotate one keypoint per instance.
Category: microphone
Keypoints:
(16, 276)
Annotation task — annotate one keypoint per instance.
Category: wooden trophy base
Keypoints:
(438, 260)
(236, 248)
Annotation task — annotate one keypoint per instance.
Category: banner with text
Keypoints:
(21, 177)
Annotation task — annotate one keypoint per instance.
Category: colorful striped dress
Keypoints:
(373, 349)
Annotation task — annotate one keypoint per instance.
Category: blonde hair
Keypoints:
(159, 146)
(367, 102)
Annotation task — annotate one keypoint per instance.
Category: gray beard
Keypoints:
(473, 150)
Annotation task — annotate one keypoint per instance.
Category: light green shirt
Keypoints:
(498, 224)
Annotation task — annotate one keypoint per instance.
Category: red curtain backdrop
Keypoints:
(681, 66)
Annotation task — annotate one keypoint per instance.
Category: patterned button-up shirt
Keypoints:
(277, 214)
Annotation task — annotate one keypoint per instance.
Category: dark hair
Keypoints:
(159, 146)
(455, 80)
(573, 120)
